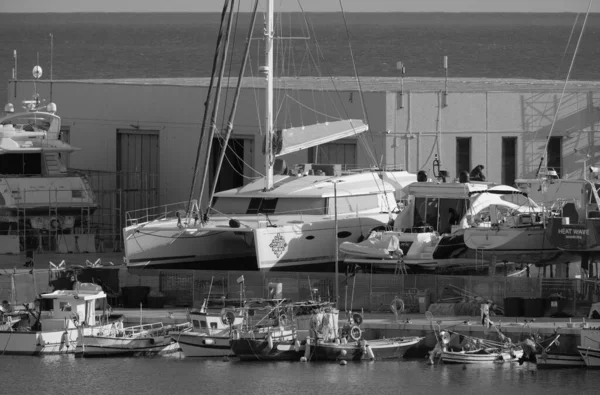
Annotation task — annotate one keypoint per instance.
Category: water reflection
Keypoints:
(169, 375)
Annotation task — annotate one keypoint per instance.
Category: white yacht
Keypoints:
(39, 196)
(282, 221)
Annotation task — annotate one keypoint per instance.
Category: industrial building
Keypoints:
(139, 137)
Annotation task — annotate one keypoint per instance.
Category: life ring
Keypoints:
(282, 320)
(355, 332)
(227, 316)
(397, 305)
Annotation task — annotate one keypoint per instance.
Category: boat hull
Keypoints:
(558, 360)
(476, 357)
(108, 346)
(43, 342)
(518, 245)
(296, 246)
(260, 350)
(579, 237)
(198, 345)
(590, 356)
(356, 351)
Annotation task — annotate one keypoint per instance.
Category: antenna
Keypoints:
(51, 61)
(400, 67)
(445, 93)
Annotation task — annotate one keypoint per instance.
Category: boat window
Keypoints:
(65, 306)
(213, 325)
(426, 212)
(306, 206)
(231, 205)
(260, 205)
(451, 211)
(352, 204)
(21, 164)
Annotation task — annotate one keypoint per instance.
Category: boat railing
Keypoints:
(156, 213)
(143, 329)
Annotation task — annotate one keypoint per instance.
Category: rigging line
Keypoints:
(237, 16)
(361, 138)
(564, 86)
(547, 106)
(215, 109)
(362, 101)
(327, 116)
(207, 103)
(233, 109)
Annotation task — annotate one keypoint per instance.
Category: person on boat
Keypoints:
(453, 219)
(5, 308)
(477, 173)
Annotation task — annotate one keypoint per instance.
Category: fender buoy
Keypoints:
(227, 316)
(355, 332)
(282, 320)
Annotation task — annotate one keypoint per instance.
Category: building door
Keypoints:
(509, 160)
(463, 155)
(232, 168)
(555, 155)
(341, 152)
(137, 170)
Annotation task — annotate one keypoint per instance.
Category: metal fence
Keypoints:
(370, 292)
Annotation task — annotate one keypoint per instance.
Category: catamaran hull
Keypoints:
(198, 345)
(301, 246)
(515, 245)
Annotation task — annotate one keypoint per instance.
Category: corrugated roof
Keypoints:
(371, 84)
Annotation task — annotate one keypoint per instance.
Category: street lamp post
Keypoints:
(336, 288)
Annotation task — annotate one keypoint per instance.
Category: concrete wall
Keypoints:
(407, 137)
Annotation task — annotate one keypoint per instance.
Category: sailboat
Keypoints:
(286, 220)
(513, 231)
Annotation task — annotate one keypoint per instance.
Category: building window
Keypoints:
(463, 155)
(509, 160)
(555, 155)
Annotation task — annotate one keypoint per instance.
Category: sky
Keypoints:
(574, 6)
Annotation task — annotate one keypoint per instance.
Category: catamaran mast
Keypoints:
(269, 97)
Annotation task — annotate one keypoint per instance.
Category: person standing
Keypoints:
(477, 173)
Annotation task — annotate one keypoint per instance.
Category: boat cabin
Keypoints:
(71, 308)
(212, 323)
(434, 206)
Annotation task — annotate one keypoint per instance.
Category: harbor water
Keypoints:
(174, 374)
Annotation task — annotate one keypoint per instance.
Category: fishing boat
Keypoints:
(278, 335)
(44, 205)
(284, 220)
(429, 234)
(211, 332)
(139, 340)
(55, 322)
(512, 230)
(589, 348)
(326, 344)
(470, 350)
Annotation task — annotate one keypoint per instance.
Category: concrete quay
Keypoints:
(377, 325)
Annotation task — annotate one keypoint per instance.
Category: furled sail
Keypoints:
(290, 140)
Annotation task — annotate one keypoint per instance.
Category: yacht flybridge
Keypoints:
(37, 192)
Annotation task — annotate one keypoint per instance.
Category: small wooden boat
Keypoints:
(483, 355)
(362, 349)
(140, 340)
(547, 360)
